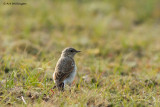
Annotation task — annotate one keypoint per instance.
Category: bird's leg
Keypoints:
(61, 87)
(54, 87)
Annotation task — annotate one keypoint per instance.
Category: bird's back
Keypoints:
(63, 69)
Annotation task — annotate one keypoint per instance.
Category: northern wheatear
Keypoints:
(65, 69)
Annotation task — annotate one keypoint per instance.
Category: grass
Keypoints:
(118, 65)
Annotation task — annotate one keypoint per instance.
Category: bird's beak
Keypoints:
(78, 51)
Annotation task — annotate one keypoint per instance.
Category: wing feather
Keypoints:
(64, 68)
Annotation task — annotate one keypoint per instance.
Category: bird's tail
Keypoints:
(59, 86)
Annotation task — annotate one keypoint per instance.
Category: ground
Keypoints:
(120, 60)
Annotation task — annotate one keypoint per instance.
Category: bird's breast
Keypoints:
(70, 79)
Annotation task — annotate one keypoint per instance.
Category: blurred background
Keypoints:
(116, 37)
(102, 27)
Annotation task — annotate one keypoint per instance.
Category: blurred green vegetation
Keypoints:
(119, 63)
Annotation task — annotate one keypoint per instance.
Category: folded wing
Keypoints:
(63, 69)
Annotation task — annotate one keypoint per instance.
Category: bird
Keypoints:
(65, 70)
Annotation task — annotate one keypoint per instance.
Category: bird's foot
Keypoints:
(61, 87)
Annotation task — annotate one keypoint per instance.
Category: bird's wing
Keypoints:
(63, 69)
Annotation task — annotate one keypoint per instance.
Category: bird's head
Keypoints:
(69, 52)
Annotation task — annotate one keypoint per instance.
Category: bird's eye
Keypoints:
(71, 50)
